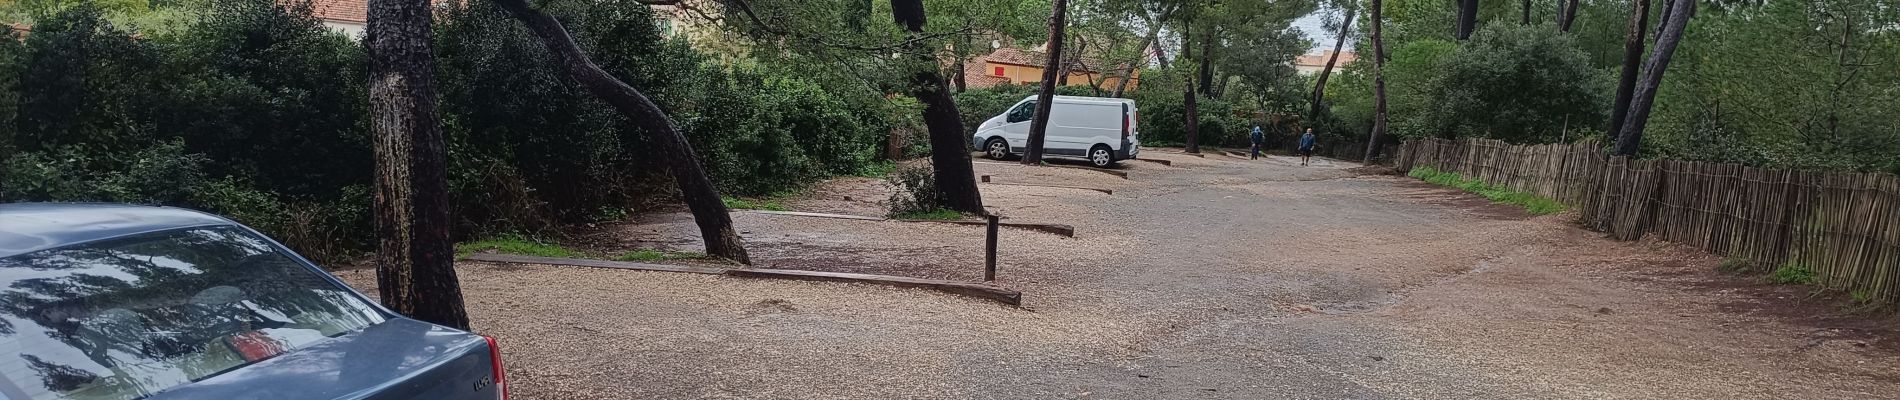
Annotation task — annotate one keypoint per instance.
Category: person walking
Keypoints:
(1258, 139)
(1306, 146)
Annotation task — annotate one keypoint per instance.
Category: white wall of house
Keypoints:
(352, 29)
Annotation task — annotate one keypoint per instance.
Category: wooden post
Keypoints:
(989, 252)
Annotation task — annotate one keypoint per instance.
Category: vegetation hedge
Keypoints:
(253, 109)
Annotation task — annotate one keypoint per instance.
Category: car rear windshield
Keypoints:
(128, 317)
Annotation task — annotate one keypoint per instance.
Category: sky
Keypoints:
(1322, 38)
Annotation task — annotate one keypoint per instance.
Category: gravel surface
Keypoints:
(1216, 277)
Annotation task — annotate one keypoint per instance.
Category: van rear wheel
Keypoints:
(996, 148)
(1101, 157)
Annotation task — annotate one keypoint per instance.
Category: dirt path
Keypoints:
(1216, 277)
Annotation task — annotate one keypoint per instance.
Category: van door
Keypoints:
(1016, 124)
(1075, 127)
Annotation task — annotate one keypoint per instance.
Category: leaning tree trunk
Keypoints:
(709, 210)
(1319, 85)
(415, 266)
(1632, 61)
(1193, 115)
(949, 148)
(1039, 125)
(1567, 16)
(1378, 83)
(1467, 18)
(1128, 71)
(1662, 20)
(1645, 96)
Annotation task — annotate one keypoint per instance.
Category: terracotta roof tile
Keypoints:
(1008, 55)
(340, 10)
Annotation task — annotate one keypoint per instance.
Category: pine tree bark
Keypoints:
(1568, 16)
(415, 266)
(961, 82)
(949, 148)
(1467, 19)
(1193, 114)
(1045, 100)
(1632, 61)
(1207, 63)
(1632, 136)
(701, 197)
(1339, 43)
(1378, 82)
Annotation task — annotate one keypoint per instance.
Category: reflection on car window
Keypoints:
(1023, 112)
(128, 317)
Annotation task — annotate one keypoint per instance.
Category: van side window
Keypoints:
(1023, 112)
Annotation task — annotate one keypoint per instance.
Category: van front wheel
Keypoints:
(1101, 157)
(996, 148)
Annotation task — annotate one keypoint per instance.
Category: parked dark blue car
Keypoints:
(103, 301)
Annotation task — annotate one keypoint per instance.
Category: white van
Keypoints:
(1099, 129)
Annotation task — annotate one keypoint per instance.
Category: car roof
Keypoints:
(1087, 99)
(29, 227)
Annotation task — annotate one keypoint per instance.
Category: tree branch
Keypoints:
(746, 9)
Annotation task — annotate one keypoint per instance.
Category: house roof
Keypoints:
(340, 10)
(977, 75)
(1319, 60)
(1008, 55)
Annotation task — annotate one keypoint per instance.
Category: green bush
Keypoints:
(916, 191)
(253, 109)
(1164, 119)
(1534, 204)
(515, 244)
(1792, 274)
(1520, 83)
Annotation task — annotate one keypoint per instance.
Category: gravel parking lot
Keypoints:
(1215, 277)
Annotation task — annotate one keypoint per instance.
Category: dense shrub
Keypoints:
(916, 191)
(252, 109)
(1164, 119)
(1522, 83)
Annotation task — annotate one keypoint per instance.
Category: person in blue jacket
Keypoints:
(1258, 138)
(1306, 146)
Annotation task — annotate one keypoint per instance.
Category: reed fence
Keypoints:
(1843, 226)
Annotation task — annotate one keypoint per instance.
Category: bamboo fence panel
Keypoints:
(1843, 226)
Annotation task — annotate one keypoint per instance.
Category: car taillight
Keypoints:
(501, 376)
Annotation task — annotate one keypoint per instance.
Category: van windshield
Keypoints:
(124, 318)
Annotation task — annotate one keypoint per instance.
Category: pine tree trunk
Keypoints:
(959, 78)
(708, 208)
(415, 266)
(1527, 13)
(949, 147)
(1339, 43)
(1632, 61)
(1467, 18)
(1378, 82)
(1632, 136)
(1568, 16)
(1207, 64)
(1045, 100)
(1193, 115)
